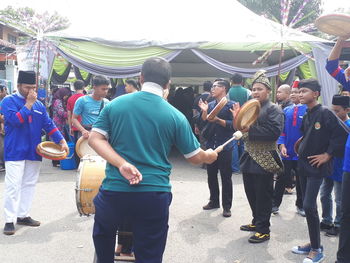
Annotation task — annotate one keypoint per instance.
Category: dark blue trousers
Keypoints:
(148, 213)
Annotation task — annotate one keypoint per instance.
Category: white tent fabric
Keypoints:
(329, 84)
(185, 21)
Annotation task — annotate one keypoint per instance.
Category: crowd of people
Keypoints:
(294, 143)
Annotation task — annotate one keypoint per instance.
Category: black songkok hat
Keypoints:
(26, 77)
(310, 84)
(341, 101)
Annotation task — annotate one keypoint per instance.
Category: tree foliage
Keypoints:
(272, 10)
(31, 22)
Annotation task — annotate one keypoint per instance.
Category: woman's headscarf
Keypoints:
(61, 93)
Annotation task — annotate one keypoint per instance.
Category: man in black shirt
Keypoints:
(323, 138)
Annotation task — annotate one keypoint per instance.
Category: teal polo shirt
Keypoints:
(142, 127)
(239, 94)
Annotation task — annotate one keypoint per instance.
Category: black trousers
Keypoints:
(285, 180)
(310, 186)
(259, 191)
(222, 164)
(343, 255)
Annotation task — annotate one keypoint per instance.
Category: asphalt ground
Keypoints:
(194, 235)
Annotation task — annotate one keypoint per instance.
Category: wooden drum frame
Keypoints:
(247, 114)
(90, 175)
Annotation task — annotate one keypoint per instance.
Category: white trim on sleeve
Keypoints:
(191, 154)
(104, 133)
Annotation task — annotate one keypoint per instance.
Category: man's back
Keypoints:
(239, 94)
(142, 127)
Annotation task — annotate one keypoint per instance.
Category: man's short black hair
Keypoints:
(99, 81)
(310, 84)
(224, 83)
(2, 88)
(79, 85)
(133, 83)
(236, 78)
(207, 85)
(156, 70)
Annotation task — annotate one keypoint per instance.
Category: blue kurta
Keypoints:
(293, 117)
(337, 72)
(23, 128)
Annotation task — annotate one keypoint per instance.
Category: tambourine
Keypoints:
(217, 109)
(334, 24)
(51, 150)
(247, 114)
(82, 148)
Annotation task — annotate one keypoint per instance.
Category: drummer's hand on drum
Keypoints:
(203, 105)
(85, 134)
(130, 173)
(64, 146)
(211, 157)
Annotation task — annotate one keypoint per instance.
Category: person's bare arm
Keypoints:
(69, 119)
(209, 156)
(99, 143)
(77, 124)
(336, 51)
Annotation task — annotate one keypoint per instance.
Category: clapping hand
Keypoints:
(203, 105)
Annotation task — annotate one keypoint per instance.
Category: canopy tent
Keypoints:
(221, 38)
(207, 44)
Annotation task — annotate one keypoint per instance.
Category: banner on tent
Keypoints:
(27, 57)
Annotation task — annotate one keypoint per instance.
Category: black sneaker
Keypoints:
(325, 227)
(250, 228)
(275, 210)
(9, 229)
(27, 221)
(210, 206)
(259, 238)
(226, 213)
(333, 232)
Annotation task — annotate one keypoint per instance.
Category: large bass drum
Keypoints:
(91, 172)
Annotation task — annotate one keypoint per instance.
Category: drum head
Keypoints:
(82, 148)
(51, 150)
(334, 24)
(248, 114)
(217, 108)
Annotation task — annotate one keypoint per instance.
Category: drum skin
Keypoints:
(82, 148)
(248, 114)
(217, 109)
(51, 150)
(334, 24)
(90, 175)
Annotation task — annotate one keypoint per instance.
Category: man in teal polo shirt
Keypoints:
(135, 133)
(239, 94)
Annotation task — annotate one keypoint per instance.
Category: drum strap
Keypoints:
(261, 154)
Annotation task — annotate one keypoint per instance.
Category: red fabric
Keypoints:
(295, 116)
(70, 105)
(295, 84)
(335, 72)
(283, 134)
(19, 116)
(53, 131)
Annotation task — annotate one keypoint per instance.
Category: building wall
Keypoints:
(5, 34)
